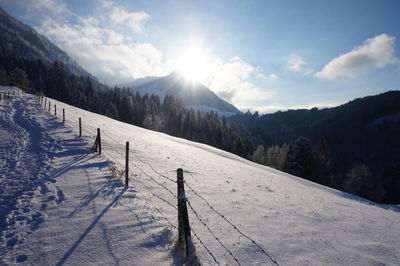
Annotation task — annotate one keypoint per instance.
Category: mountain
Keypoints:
(22, 40)
(194, 94)
(361, 132)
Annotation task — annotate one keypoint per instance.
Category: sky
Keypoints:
(259, 55)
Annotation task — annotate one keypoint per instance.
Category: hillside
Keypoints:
(22, 40)
(362, 131)
(87, 219)
(194, 94)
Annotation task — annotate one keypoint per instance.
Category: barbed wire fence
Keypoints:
(88, 134)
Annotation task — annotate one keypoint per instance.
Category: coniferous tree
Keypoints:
(299, 159)
(3, 77)
(362, 182)
(19, 78)
(276, 156)
(259, 155)
(322, 167)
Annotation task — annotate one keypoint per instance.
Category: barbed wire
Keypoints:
(143, 162)
(151, 167)
(190, 206)
(205, 247)
(162, 214)
(211, 232)
(152, 179)
(234, 226)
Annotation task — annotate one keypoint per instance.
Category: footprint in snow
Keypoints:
(21, 258)
(60, 195)
(51, 198)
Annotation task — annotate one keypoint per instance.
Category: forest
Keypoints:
(353, 147)
(357, 153)
(169, 116)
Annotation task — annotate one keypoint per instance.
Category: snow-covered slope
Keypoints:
(258, 214)
(194, 94)
(60, 206)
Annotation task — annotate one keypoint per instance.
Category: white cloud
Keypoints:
(271, 108)
(374, 53)
(111, 56)
(272, 76)
(108, 54)
(41, 9)
(133, 19)
(56, 7)
(118, 15)
(232, 81)
(297, 64)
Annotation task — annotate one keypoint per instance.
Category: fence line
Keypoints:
(89, 128)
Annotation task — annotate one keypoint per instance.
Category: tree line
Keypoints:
(167, 115)
(361, 137)
(314, 162)
(363, 160)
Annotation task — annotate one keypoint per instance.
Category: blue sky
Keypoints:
(262, 55)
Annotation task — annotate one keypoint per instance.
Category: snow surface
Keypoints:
(62, 207)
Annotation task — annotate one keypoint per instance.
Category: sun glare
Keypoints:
(194, 64)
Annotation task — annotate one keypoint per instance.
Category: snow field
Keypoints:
(72, 212)
(295, 222)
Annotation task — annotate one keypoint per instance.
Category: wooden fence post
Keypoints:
(183, 218)
(80, 127)
(45, 102)
(127, 165)
(49, 105)
(99, 142)
(55, 110)
(63, 116)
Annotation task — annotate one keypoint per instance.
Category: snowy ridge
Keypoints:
(194, 94)
(287, 219)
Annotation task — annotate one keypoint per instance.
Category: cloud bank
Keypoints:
(374, 53)
(109, 54)
(118, 15)
(231, 81)
(272, 108)
(297, 64)
(105, 45)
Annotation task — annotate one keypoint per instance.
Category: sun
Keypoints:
(194, 64)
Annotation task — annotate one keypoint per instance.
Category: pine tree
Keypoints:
(276, 156)
(299, 160)
(19, 79)
(323, 169)
(259, 155)
(362, 182)
(3, 77)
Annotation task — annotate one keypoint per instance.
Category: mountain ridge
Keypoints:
(193, 93)
(363, 131)
(23, 40)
